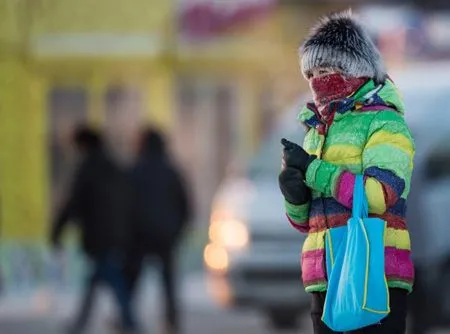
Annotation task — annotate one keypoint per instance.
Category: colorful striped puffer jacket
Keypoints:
(368, 136)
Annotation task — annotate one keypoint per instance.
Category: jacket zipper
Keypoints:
(320, 157)
(324, 264)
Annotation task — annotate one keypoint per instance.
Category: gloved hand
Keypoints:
(295, 156)
(293, 187)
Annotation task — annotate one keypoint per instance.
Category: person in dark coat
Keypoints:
(162, 211)
(100, 204)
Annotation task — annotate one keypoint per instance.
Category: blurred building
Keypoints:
(214, 74)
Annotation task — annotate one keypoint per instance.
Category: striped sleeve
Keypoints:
(298, 215)
(387, 161)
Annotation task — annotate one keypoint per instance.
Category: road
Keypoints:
(43, 313)
(47, 313)
(206, 322)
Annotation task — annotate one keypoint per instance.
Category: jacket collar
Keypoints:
(369, 97)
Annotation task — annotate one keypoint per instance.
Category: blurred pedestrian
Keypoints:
(100, 204)
(162, 211)
(355, 126)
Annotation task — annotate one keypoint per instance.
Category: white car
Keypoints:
(254, 254)
(253, 258)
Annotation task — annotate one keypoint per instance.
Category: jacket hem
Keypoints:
(392, 284)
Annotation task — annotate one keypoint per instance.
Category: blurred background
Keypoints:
(220, 78)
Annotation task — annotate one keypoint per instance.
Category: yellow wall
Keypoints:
(103, 16)
(22, 130)
(22, 133)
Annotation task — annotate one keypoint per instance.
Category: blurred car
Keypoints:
(253, 258)
(426, 90)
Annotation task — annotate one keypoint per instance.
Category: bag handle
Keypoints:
(360, 205)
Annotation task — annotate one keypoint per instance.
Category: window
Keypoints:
(224, 108)
(122, 119)
(267, 109)
(67, 108)
(205, 138)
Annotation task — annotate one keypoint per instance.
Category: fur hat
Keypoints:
(340, 41)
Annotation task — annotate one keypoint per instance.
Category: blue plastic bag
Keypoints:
(358, 294)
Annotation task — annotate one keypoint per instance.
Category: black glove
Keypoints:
(293, 187)
(295, 156)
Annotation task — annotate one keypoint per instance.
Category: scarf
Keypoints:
(332, 87)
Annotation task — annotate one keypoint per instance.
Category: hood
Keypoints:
(370, 94)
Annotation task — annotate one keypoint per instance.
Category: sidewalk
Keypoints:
(46, 312)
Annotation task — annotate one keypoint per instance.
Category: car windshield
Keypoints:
(267, 163)
(421, 105)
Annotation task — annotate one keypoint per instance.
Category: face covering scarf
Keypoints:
(332, 87)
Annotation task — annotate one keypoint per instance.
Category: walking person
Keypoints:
(99, 203)
(355, 125)
(162, 211)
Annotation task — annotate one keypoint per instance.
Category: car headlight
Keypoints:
(231, 234)
(216, 258)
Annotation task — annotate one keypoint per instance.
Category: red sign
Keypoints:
(203, 19)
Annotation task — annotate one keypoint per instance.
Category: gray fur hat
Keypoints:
(342, 42)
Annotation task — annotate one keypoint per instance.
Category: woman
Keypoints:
(355, 126)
